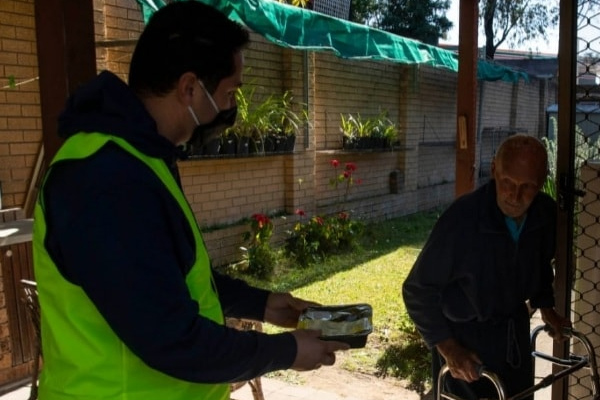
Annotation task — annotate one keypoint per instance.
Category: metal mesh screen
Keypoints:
(585, 295)
(335, 8)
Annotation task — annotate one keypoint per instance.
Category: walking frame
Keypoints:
(570, 365)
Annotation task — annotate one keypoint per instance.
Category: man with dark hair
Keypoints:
(130, 306)
(489, 253)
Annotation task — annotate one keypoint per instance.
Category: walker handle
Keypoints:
(483, 372)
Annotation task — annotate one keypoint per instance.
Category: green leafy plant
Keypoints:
(374, 132)
(259, 256)
(284, 119)
(550, 182)
(385, 130)
(343, 179)
(409, 359)
(585, 149)
(356, 126)
(313, 239)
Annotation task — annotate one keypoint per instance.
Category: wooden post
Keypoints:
(66, 58)
(466, 104)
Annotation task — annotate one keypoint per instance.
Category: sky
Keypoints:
(539, 46)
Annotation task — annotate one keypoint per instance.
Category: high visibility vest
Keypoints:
(83, 358)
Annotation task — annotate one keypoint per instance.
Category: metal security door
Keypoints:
(578, 180)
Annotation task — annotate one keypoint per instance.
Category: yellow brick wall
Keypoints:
(421, 99)
(118, 25)
(20, 121)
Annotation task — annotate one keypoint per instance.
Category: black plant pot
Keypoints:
(349, 143)
(280, 143)
(270, 143)
(257, 146)
(212, 148)
(364, 143)
(290, 143)
(229, 145)
(243, 145)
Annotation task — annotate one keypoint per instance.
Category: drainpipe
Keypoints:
(305, 94)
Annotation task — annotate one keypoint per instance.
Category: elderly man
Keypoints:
(489, 253)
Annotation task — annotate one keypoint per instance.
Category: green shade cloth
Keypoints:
(302, 29)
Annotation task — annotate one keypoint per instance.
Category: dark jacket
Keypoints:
(471, 270)
(114, 230)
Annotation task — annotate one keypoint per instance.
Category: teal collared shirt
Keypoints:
(511, 224)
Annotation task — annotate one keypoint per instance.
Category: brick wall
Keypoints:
(117, 26)
(420, 99)
(20, 122)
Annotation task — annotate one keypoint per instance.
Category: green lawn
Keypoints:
(372, 274)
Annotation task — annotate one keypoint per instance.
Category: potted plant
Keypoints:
(287, 122)
(245, 123)
(349, 131)
(364, 130)
(262, 115)
(356, 132)
(384, 131)
(264, 126)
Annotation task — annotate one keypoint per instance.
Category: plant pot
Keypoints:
(280, 143)
(257, 146)
(229, 145)
(243, 145)
(290, 143)
(270, 143)
(212, 148)
(364, 143)
(348, 143)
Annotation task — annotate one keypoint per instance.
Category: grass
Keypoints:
(371, 274)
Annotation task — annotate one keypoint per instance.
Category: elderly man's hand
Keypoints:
(462, 363)
(555, 322)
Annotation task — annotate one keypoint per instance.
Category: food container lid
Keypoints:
(347, 323)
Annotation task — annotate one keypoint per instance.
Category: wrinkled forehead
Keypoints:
(523, 164)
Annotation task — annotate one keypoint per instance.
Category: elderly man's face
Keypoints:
(518, 181)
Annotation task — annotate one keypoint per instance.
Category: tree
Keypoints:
(362, 11)
(423, 20)
(516, 21)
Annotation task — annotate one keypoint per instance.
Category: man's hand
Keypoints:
(555, 322)
(462, 363)
(313, 352)
(283, 309)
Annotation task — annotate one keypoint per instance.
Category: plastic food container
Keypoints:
(344, 323)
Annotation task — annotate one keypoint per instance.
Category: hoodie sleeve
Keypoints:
(422, 289)
(114, 230)
(240, 300)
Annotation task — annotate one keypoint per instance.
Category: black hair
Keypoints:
(185, 36)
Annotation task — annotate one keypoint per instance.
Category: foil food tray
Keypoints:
(350, 323)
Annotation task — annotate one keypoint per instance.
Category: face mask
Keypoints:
(204, 133)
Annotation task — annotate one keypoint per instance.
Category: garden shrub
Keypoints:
(410, 359)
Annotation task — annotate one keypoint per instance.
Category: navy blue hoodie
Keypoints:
(115, 231)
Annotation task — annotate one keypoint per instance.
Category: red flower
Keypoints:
(350, 166)
(347, 174)
(261, 220)
(343, 215)
(319, 220)
(300, 212)
(334, 163)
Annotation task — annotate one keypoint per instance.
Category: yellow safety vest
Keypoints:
(83, 358)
